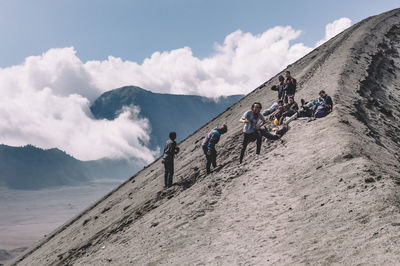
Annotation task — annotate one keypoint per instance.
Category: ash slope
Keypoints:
(327, 193)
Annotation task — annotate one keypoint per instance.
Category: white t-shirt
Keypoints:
(251, 126)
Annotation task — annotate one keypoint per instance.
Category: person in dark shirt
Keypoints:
(208, 146)
(325, 105)
(318, 108)
(277, 114)
(290, 86)
(280, 88)
(291, 108)
(170, 149)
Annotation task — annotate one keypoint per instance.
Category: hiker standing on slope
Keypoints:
(208, 146)
(170, 149)
(290, 86)
(280, 88)
(251, 128)
(281, 96)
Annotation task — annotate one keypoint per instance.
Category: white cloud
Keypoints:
(240, 64)
(45, 101)
(334, 28)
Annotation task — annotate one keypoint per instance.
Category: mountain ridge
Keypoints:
(326, 193)
(165, 112)
(34, 168)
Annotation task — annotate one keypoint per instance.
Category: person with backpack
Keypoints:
(208, 146)
(253, 120)
(170, 149)
(290, 86)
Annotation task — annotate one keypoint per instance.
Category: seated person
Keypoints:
(280, 88)
(277, 112)
(325, 106)
(291, 108)
(318, 108)
(273, 107)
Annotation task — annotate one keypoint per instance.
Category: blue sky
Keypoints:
(57, 57)
(133, 30)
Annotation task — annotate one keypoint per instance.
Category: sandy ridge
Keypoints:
(304, 200)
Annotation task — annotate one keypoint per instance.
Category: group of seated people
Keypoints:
(282, 112)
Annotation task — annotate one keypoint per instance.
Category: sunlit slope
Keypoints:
(326, 193)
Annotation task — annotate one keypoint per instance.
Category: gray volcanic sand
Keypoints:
(326, 193)
(28, 215)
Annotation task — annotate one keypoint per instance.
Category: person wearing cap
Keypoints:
(170, 149)
(253, 120)
(208, 146)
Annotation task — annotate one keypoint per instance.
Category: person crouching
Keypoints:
(208, 146)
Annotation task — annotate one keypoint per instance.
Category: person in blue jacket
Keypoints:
(318, 108)
(208, 146)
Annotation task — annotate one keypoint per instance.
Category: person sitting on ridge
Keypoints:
(170, 149)
(277, 114)
(319, 108)
(208, 146)
(251, 128)
(291, 109)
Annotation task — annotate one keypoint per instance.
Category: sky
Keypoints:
(57, 57)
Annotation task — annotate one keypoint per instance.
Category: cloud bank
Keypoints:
(334, 28)
(45, 100)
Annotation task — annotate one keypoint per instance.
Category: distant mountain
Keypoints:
(165, 112)
(30, 167)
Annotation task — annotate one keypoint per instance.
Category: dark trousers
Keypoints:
(169, 172)
(265, 133)
(210, 159)
(255, 136)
